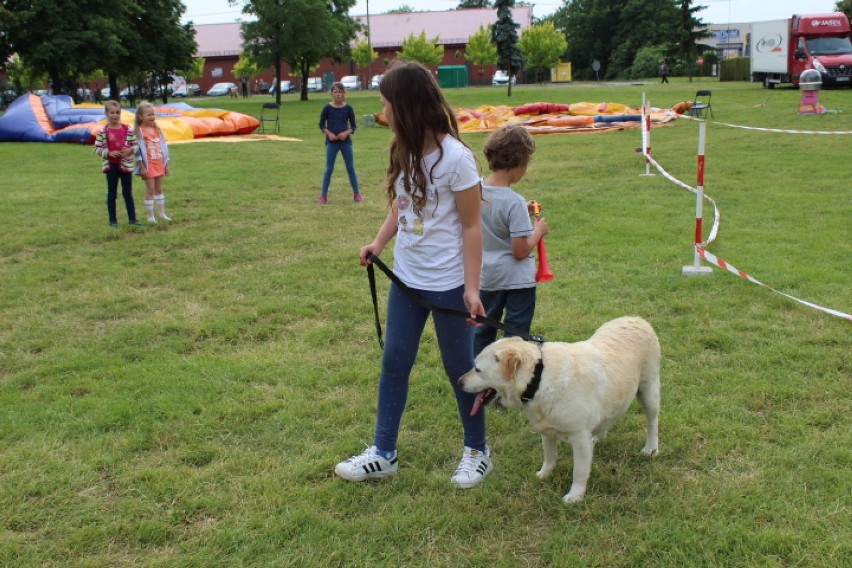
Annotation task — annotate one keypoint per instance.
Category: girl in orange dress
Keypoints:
(153, 160)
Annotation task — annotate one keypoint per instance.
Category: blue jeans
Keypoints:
(519, 306)
(406, 320)
(331, 150)
(113, 175)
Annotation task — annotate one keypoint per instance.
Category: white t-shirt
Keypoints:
(428, 251)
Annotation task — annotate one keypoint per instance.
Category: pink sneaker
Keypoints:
(322, 200)
(358, 198)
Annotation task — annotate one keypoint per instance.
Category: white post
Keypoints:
(646, 136)
(696, 269)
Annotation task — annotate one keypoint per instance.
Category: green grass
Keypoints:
(178, 395)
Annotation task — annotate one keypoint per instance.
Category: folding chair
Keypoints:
(701, 104)
(269, 113)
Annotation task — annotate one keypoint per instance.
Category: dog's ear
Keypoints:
(510, 361)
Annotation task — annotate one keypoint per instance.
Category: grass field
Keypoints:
(178, 395)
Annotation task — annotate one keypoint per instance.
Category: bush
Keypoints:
(646, 63)
(735, 69)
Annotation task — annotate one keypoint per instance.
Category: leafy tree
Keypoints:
(642, 23)
(22, 76)
(468, 4)
(691, 31)
(844, 6)
(168, 44)
(418, 48)
(543, 47)
(403, 9)
(480, 51)
(279, 33)
(504, 35)
(363, 55)
(613, 32)
(647, 62)
(246, 67)
(194, 70)
(72, 39)
(62, 38)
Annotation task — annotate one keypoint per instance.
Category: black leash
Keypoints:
(485, 320)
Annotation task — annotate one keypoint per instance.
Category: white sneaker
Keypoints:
(369, 465)
(473, 468)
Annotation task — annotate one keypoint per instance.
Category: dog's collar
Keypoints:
(532, 387)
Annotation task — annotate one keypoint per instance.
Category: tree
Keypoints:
(72, 39)
(363, 55)
(543, 47)
(62, 38)
(468, 4)
(169, 45)
(279, 33)
(403, 9)
(194, 70)
(642, 23)
(23, 77)
(480, 51)
(247, 67)
(691, 31)
(613, 32)
(418, 48)
(844, 6)
(504, 35)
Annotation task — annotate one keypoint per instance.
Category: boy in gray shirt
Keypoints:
(507, 283)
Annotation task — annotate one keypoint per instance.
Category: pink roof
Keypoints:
(452, 27)
(388, 30)
(218, 40)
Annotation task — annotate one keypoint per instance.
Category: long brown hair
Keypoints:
(420, 111)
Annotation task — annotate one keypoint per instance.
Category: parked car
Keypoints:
(351, 83)
(221, 89)
(286, 87)
(187, 90)
(315, 85)
(374, 82)
(501, 78)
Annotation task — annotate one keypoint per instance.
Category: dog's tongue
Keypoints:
(480, 396)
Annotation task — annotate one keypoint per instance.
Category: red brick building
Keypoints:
(220, 44)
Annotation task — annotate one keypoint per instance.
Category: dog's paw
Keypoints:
(649, 451)
(572, 498)
(545, 471)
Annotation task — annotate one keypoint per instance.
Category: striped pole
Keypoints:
(696, 269)
(646, 135)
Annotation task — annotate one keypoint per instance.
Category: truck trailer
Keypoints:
(781, 50)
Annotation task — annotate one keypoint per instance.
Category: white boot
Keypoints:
(149, 207)
(161, 206)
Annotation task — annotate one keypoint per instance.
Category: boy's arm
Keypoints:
(522, 247)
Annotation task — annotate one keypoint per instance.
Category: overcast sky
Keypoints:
(717, 11)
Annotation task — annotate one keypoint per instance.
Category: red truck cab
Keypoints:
(821, 42)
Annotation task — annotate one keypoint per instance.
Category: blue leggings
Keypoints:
(331, 150)
(405, 323)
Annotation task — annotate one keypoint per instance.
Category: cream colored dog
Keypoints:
(574, 392)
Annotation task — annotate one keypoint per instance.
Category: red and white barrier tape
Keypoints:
(713, 259)
(699, 247)
(716, 214)
(760, 129)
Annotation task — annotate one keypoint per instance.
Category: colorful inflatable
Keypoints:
(58, 119)
(550, 118)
